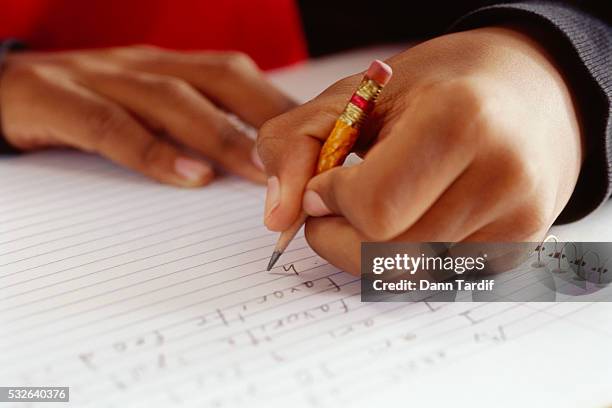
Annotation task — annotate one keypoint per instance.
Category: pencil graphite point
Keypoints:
(273, 259)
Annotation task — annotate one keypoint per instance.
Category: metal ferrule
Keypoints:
(353, 115)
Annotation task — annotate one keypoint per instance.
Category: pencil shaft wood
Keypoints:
(287, 236)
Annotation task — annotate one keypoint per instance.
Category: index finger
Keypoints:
(289, 147)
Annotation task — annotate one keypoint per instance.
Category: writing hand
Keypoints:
(474, 139)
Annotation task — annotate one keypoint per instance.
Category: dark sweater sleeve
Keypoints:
(582, 46)
(5, 47)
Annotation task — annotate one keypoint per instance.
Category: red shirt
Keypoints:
(268, 30)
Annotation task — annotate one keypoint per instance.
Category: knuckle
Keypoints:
(267, 130)
(268, 136)
(104, 123)
(172, 87)
(134, 51)
(379, 222)
(465, 93)
(533, 221)
(476, 114)
(467, 108)
(237, 63)
(517, 174)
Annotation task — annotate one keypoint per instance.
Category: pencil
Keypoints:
(342, 138)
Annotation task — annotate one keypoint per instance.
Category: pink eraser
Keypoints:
(379, 72)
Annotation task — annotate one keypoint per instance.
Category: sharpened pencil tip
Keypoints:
(273, 259)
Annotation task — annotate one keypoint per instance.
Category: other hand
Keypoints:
(156, 111)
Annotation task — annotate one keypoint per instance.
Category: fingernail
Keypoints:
(272, 195)
(256, 159)
(314, 205)
(190, 169)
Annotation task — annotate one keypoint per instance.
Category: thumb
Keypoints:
(363, 193)
(331, 192)
(358, 193)
(325, 193)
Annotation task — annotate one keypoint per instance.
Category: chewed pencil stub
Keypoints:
(346, 130)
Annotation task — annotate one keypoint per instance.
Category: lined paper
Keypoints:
(142, 295)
